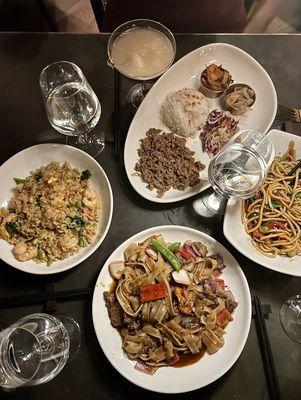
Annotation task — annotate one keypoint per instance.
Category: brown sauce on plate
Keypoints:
(188, 359)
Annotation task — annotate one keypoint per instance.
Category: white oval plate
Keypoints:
(235, 232)
(34, 157)
(186, 73)
(210, 367)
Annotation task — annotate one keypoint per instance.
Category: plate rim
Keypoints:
(205, 186)
(245, 252)
(244, 283)
(48, 271)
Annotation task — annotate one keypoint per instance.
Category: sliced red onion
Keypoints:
(189, 249)
(213, 286)
(217, 119)
(147, 369)
(151, 253)
(189, 267)
(181, 277)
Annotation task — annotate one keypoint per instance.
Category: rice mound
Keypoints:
(185, 111)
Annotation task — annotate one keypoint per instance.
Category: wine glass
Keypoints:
(72, 106)
(238, 170)
(142, 50)
(36, 348)
(290, 317)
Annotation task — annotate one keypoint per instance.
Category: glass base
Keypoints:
(137, 93)
(92, 143)
(74, 333)
(290, 318)
(210, 204)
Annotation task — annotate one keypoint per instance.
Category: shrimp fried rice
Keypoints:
(52, 214)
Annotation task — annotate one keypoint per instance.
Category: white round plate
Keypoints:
(186, 73)
(20, 165)
(235, 232)
(209, 367)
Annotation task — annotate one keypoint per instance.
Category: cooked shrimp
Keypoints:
(3, 233)
(23, 251)
(68, 242)
(8, 218)
(90, 198)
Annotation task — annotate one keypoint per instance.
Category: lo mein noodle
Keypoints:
(272, 217)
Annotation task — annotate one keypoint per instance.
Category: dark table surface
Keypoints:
(24, 123)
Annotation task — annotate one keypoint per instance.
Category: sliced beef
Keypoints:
(230, 305)
(109, 298)
(219, 259)
(115, 312)
(132, 324)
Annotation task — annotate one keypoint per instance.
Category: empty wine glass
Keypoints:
(141, 49)
(238, 170)
(36, 348)
(72, 106)
(290, 317)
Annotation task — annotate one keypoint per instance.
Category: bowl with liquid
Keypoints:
(141, 49)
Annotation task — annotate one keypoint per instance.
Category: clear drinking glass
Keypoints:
(72, 106)
(36, 348)
(142, 52)
(290, 317)
(239, 169)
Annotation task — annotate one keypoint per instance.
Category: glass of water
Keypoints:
(72, 107)
(290, 317)
(35, 349)
(239, 169)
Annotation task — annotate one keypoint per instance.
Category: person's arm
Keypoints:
(262, 17)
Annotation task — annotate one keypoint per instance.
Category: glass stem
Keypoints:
(216, 203)
(82, 138)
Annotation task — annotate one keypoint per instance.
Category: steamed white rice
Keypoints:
(185, 111)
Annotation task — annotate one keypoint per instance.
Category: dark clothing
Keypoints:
(208, 16)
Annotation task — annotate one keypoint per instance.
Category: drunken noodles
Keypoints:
(168, 301)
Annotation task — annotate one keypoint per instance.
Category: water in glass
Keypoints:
(237, 171)
(19, 358)
(73, 108)
(290, 317)
(33, 350)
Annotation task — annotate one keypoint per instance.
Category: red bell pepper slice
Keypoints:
(223, 318)
(153, 292)
(184, 253)
(276, 224)
(257, 234)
